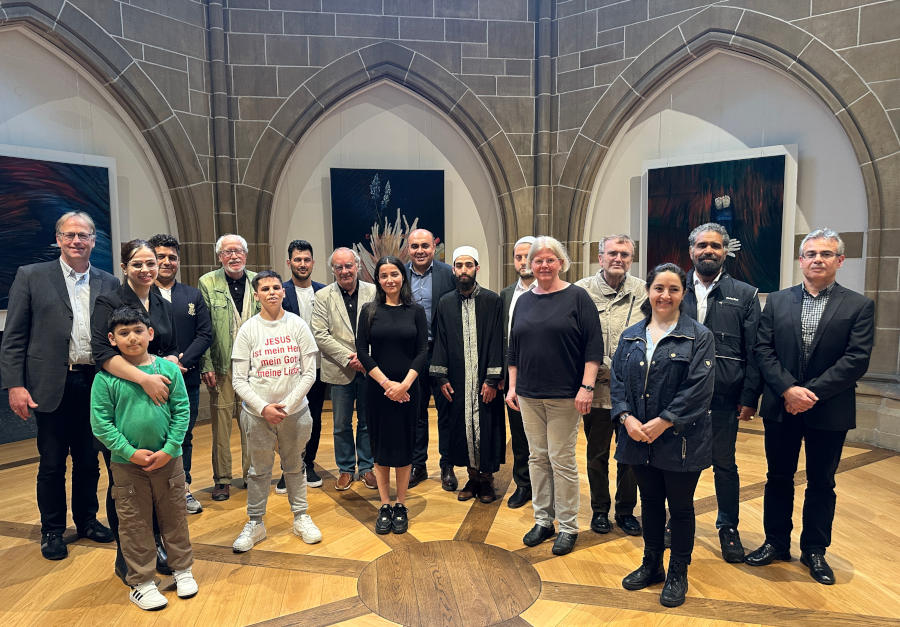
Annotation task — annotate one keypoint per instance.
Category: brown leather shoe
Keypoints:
(469, 490)
(221, 492)
(369, 481)
(486, 493)
(448, 479)
(343, 481)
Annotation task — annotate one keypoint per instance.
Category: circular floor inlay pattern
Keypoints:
(449, 583)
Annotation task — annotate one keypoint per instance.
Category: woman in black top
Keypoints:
(392, 344)
(139, 266)
(661, 385)
(555, 350)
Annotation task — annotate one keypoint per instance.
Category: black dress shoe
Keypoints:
(448, 479)
(417, 476)
(651, 571)
(519, 498)
(629, 524)
(52, 546)
(564, 543)
(676, 585)
(765, 555)
(730, 542)
(818, 567)
(162, 559)
(537, 535)
(93, 530)
(600, 523)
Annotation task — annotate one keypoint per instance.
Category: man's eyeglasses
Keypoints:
(346, 266)
(824, 254)
(233, 252)
(71, 236)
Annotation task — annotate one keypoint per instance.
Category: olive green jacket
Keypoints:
(225, 319)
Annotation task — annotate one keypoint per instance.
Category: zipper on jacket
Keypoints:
(683, 449)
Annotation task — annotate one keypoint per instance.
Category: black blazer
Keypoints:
(35, 350)
(193, 329)
(840, 355)
(161, 319)
(290, 296)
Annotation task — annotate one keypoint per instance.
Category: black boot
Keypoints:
(162, 558)
(673, 592)
(650, 572)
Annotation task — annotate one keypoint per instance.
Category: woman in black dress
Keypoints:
(392, 344)
(140, 268)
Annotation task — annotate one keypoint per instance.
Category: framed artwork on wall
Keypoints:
(36, 188)
(752, 195)
(372, 211)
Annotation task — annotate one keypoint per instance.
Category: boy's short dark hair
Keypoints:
(126, 314)
(265, 274)
(301, 245)
(164, 239)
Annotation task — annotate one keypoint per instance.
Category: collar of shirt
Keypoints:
(470, 296)
(520, 287)
(824, 292)
(235, 282)
(698, 283)
(71, 272)
(427, 270)
(347, 294)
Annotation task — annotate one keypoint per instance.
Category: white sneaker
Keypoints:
(192, 504)
(253, 532)
(306, 529)
(147, 597)
(185, 584)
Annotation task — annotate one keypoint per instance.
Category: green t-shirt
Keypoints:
(125, 419)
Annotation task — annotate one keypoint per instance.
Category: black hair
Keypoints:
(405, 289)
(128, 249)
(164, 239)
(265, 274)
(651, 276)
(126, 314)
(301, 245)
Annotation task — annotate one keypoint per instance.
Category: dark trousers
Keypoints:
(316, 399)
(187, 446)
(658, 486)
(598, 429)
(519, 448)
(725, 470)
(420, 447)
(823, 454)
(60, 433)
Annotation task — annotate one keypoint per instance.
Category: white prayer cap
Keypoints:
(528, 239)
(465, 250)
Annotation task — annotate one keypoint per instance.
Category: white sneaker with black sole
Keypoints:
(192, 505)
(306, 529)
(253, 533)
(147, 597)
(185, 584)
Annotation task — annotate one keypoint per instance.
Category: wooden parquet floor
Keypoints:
(460, 563)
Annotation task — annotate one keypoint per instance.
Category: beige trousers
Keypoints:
(224, 409)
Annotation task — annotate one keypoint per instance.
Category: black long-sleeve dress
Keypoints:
(161, 319)
(394, 339)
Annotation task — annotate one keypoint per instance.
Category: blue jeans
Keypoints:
(725, 470)
(349, 455)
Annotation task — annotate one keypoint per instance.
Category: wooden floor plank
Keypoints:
(328, 614)
(433, 585)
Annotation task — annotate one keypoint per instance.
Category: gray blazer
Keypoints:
(35, 349)
(333, 333)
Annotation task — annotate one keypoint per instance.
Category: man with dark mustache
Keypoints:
(730, 309)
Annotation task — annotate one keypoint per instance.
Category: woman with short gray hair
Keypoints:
(555, 349)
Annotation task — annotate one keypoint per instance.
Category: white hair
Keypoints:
(823, 233)
(552, 244)
(237, 237)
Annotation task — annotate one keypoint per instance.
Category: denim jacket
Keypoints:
(676, 385)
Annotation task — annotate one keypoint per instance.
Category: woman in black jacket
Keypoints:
(661, 385)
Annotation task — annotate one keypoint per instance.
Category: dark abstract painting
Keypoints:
(746, 196)
(372, 211)
(33, 194)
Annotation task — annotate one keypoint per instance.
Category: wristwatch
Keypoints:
(589, 388)
(623, 416)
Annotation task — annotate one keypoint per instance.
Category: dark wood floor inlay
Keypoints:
(477, 523)
(328, 614)
(449, 583)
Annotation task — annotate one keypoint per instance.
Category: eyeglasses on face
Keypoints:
(233, 252)
(824, 254)
(544, 262)
(346, 266)
(71, 236)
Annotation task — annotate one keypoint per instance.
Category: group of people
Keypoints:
(670, 365)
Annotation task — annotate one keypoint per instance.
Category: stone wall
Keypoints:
(223, 89)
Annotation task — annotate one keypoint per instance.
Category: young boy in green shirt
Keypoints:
(145, 442)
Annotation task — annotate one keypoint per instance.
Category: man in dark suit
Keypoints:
(193, 333)
(509, 295)
(429, 279)
(814, 343)
(299, 298)
(46, 364)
